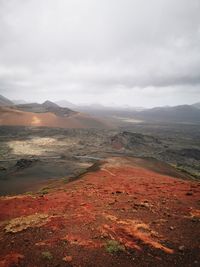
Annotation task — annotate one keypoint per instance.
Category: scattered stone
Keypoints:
(118, 192)
(181, 248)
(146, 205)
(194, 220)
(159, 221)
(167, 214)
(111, 203)
(24, 163)
(67, 258)
(189, 193)
(142, 204)
(195, 213)
(171, 228)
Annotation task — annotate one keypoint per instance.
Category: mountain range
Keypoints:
(64, 108)
(182, 113)
(47, 114)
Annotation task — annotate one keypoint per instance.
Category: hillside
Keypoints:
(63, 118)
(122, 212)
(47, 106)
(5, 101)
(183, 113)
(196, 105)
(19, 101)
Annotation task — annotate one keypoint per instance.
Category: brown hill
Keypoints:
(47, 106)
(13, 116)
(121, 213)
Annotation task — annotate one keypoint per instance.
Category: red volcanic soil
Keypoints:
(121, 213)
(9, 116)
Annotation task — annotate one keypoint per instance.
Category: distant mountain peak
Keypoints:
(50, 104)
(196, 105)
(5, 101)
(66, 104)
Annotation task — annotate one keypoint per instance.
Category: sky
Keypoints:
(112, 52)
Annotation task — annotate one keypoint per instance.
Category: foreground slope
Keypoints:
(120, 213)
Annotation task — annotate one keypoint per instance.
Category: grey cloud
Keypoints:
(89, 49)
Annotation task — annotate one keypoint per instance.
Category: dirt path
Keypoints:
(128, 215)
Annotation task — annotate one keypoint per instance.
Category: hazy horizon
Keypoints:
(108, 105)
(114, 53)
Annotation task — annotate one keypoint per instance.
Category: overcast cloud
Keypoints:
(135, 52)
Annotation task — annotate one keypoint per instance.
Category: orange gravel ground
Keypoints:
(154, 218)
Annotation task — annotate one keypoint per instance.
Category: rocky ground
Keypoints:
(30, 156)
(122, 212)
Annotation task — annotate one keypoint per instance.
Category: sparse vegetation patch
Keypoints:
(22, 223)
(113, 246)
(47, 255)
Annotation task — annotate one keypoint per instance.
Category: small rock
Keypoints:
(181, 248)
(104, 235)
(67, 258)
(146, 205)
(171, 228)
(193, 219)
(118, 192)
(167, 214)
(142, 204)
(25, 163)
